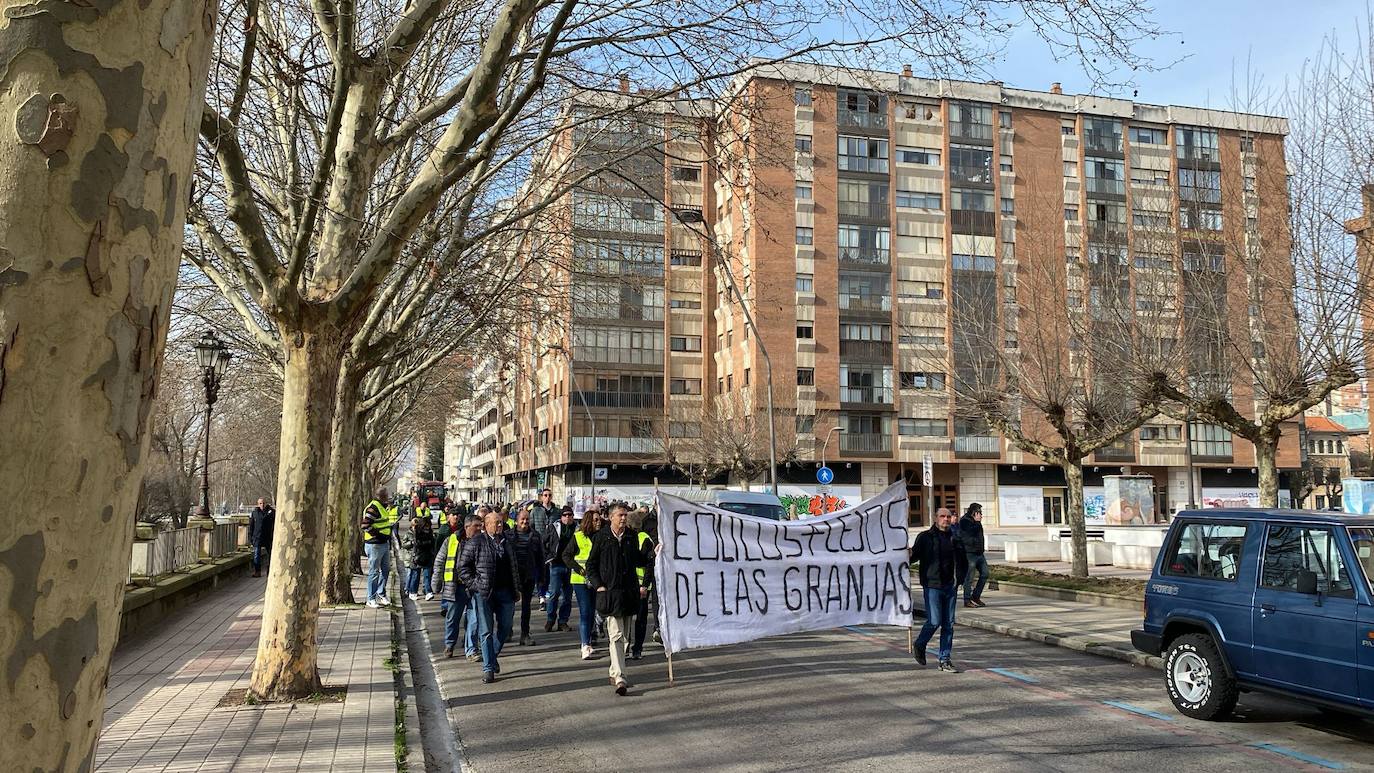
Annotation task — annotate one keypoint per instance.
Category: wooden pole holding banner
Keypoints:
(658, 583)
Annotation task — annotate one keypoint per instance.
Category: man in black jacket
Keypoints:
(529, 555)
(974, 544)
(488, 570)
(941, 566)
(260, 526)
(556, 539)
(615, 556)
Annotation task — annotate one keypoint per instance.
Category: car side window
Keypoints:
(1290, 550)
(1363, 540)
(1207, 551)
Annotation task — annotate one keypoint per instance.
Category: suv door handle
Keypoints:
(1268, 608)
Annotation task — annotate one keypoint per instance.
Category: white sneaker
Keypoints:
(414, 597)
(429, 596)
(384, 601)
(372, 604)
(587, 652)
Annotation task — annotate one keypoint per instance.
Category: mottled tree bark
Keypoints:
(286, 665)
(1073, 480)
(98, 116)
(345, 484)
(1267, 462)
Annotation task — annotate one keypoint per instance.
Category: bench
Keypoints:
(1090, 533)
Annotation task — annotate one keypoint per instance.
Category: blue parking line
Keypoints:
(855, 629)
(1138, 710)
(1297, 755)
(1014, 675)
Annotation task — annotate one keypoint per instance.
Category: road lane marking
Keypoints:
(1138, 710)
(1297, 755)
(1014, 675)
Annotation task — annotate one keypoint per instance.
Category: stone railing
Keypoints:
(158, 552)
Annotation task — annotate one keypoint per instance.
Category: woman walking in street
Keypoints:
(575, 557)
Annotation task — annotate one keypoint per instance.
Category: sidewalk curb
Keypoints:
(405, 676)
(440, 754)
(1094, 598)
(1066, 640)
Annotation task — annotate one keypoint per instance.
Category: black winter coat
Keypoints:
(612, 565)
(529, 552)
(423, 546)
(556, 540)
(478, 568)
(971, 535)
(925, 553)
(261, 524)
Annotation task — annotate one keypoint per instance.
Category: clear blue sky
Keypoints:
(1216, 36)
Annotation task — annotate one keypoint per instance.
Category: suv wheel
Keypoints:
(1196, 678)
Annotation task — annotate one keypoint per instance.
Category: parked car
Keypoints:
(749, 503)
(1275, 601)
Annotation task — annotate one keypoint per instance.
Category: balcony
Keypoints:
(872, 210)
(872, 256)
(977, 446)
(1104, 142)
(871, 395)
(867, 352)
(1122, 452)
(623, 399)
(865, 444)
(678, 257)
(857, 302)
(616, 445)
(1106, 186)
(861, 120)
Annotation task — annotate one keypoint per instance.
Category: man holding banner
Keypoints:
(611, 570)
(725, 577)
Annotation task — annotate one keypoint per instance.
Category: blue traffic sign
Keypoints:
(825, 475)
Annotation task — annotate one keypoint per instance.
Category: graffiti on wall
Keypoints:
(805, 505)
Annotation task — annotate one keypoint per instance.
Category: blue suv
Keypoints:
(1278, 601)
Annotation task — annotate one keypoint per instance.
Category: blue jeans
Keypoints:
(939, 614)
(978, 563)
(259, 553)
(560, 594)
(454, 612)
(378, 568)
(416, 575)
(471, 643)
(586, 612)
(494, 618)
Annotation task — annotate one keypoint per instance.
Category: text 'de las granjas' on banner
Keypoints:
(725, 578)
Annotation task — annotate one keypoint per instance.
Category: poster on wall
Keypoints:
(1239, 497)
(1020, 506)
(1130, 499)
(1095, 505)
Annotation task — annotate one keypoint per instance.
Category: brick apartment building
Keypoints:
(866, 203)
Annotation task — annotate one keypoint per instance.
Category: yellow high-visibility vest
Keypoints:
(387, 519)
(450, 560)
(584, 551)
(639, 570)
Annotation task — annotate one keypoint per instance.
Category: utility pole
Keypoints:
(767, 373)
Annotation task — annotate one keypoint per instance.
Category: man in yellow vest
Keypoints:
(378, 519)
(454, 600)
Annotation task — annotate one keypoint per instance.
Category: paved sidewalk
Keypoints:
(1063, 567)
(1073, 625)
(161, 706)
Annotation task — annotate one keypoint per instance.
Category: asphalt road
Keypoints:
(852, 699)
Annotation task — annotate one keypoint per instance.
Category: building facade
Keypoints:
(854, 216)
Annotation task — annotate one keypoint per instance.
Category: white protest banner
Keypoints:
(725, 578)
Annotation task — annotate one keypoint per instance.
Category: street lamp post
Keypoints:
(591, 420)
(826, 445)
(213, 357)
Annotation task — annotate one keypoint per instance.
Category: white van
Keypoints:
(762, 505)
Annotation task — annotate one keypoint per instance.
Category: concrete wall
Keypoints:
(978, 483)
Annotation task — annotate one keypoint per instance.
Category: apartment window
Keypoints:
(806, 234)
(684, 429)
(1071, 214)
(922, 156)
(1067, 129)
(684, 386)
(802, 97)
(922, 335)
(1071, 169)
(1194, 261)
(684, 257)
(804, 191)
(1196, 144)
(1105, 175)
(1004, 164)
(609, 213)
(1142, 176)
(914, 200)
(720, 385)
(729, 381)
(1247, 144)
(1197, 219)
(1195, 185)
(980, 263)
(746, 377)
(1210, 440)
(934, 382)
(1143, 135)
(804, 283)
(921, 245)
(864, 243)
(1004, 119)
(1161, 432)
(1150, 219)
(1249, 184)
(803, 143)
(970, 200)
(857, 331)
(683, 303)
(684, 343)
(806, 425)
(862, 154)
(806, 332)
(1102, 134)
(862, 199)
(1008, 206)
(918, 290)
(1153, 261)
(923, 427)
(971, 165)
(806, 376)
(1106, 214)
(687, 174)
(969, 120)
